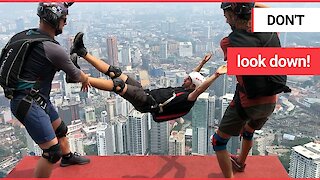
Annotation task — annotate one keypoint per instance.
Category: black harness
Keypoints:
(33, 94)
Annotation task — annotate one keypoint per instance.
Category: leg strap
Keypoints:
(247, 135)
(54, 153)
(219, 143)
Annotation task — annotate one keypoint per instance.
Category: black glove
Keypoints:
(78, 46)
(74, 59)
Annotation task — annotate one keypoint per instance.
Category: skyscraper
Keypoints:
(211, 122)
(89, 114)
(185, 49)
(104, 140)
(305, 161)
(177, 143)
(159, 135)
(220, 84)
(33, 147)
(120, 134)
(69, 112)
(76, 142)
(126, 54)
(137, 132)
(200, 124)
(164, 50)
(112, 51)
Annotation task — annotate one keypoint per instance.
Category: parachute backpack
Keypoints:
(14, 55)
(259, 85)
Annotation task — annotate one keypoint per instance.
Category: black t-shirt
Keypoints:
(177, 107)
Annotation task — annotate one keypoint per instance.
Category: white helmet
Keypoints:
(197, 78)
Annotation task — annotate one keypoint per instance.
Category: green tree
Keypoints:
(285, 160)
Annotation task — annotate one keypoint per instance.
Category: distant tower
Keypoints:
(164, 50)
(104, 140)
(112, 51)
(177, 143)
(159, 136)
(137, 132)
(200, 112)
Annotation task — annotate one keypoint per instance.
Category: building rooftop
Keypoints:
(154, 167)
(310, 150)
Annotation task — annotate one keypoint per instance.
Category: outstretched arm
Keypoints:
(203, 62)
(194, 95)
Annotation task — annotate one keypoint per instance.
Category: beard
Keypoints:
(58, 31)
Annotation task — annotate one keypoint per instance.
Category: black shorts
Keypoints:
(136, 95)
(232, 123)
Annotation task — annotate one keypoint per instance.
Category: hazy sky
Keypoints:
(15, 6)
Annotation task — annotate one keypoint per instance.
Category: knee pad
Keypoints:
(247, 135)
(62, 130)
(218, 142)
(115, 70)
(54, 153)
(117, 82)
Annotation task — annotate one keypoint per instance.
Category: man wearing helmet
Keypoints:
(163, 103)
(44, 60)
(244, 115)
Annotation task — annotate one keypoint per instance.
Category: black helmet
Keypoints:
(242, 8)
(51, 12)
(226, 5)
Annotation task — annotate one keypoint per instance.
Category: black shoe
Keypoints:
(78, 46)
(74, 159)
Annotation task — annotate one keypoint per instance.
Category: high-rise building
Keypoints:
(305, 161)
(164, 50)
(123, 107)
(76, 142)
(69, 112)
(211, 122)
(220, 84)
(159, 135)
(111, 108)
(126, 55)
(112, 48)
(104, 140)
(120, 134)
(33, 147)
(5, 115)
(177, 143)
(200, 113)
(137, 132)
(89, 114)
(185, 49)
(104, 117)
